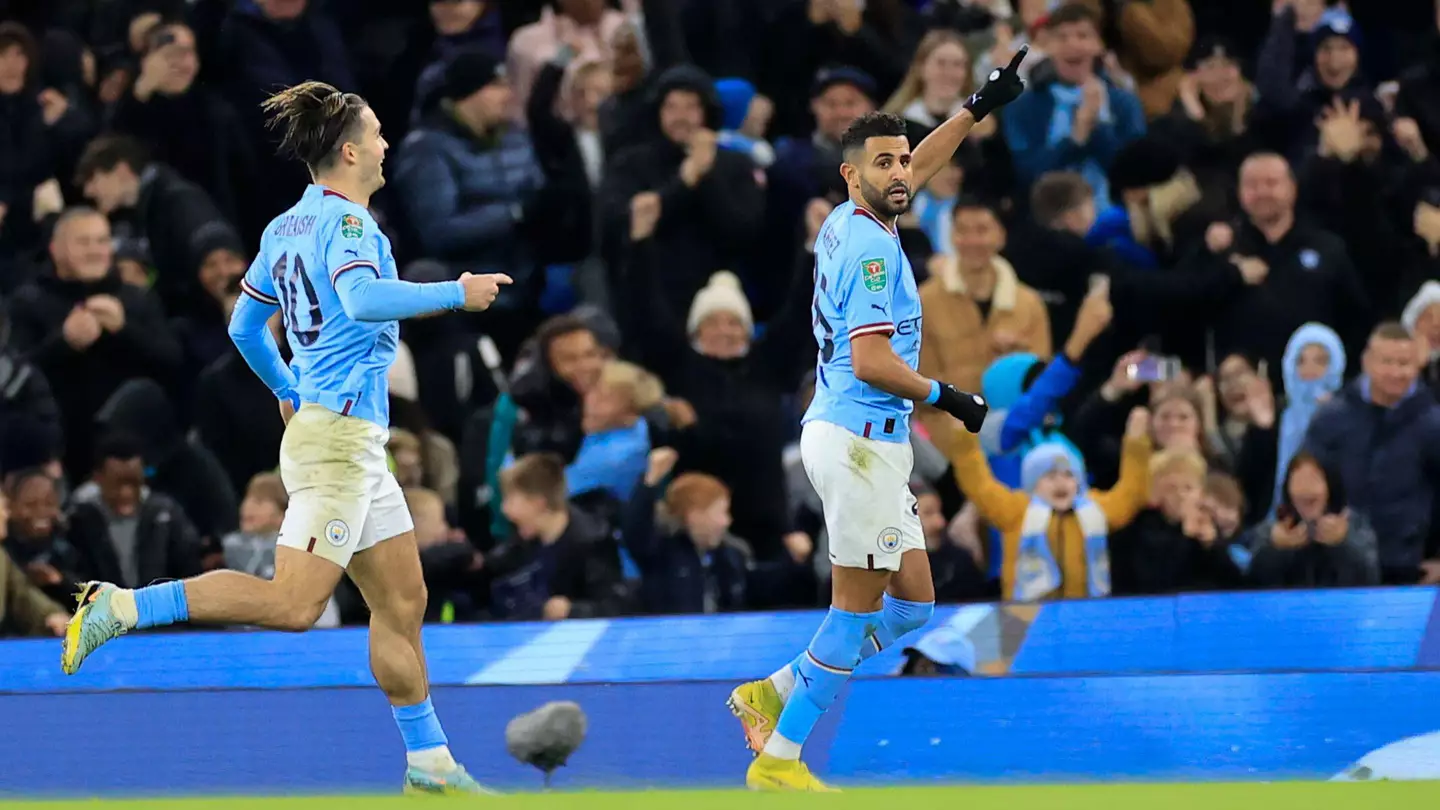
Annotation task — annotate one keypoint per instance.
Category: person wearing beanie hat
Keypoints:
(467, 181)
(1054, 529)
(744, 119)
(720, 323)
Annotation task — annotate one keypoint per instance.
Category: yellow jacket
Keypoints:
(1004, 508)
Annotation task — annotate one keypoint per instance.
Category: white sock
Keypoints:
(784, 681)
(781, 748)
(432, 760)
(122, 604)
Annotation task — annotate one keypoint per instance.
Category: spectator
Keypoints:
(693, 564)
(804, 169)
(1049, 252)
(1211, 120)
(1153, 193)
(585, 26)
(128, 534)
(937, 84)
(976, 308)
(150, 203)
(745, 115)
(1422, 318)
(235, 417)
(617, 439)
(251, 548)
(1153, 40)
(87, 331)
(25, 610)
(1381, 436)
(560, 564)
(269, 44)
(455, 26)
(1226, 416)
(957, 562)
(803, 37)
(466, 177)
(1288, 107)
(1224, 504)
(1307, 274)
(203, 330)
(29, 413)
(1076, 118)
(28, 157)
(1175, 545)
(708, 201)
(176, 465)
(431, 459)
(550, 383)
(1056, 528)
(211, 149)
(36, 538)
(452, 566)
(1314, 540)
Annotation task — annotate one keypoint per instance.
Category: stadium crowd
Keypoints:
(1195, 269)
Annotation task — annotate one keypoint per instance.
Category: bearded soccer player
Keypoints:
(329, 270)
(855, 440)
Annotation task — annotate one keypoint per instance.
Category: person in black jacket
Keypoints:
(1175, 545)
(87, 331)
(125, 533)
(150, 202)
(28, 151)
(186, 125)
(560, 564)
(709, 203)
(1314, 539)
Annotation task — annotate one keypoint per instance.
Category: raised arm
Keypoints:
(1003, 87)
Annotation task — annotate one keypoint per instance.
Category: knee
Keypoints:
(904, 616)
(300, 615)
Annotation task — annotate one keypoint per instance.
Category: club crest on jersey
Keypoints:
(351, 227)
(337, 533)
(874, 272)
(889, 540)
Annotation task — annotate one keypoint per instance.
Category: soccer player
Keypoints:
(855, 439)
(329, 270)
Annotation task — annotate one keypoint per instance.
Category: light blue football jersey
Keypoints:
(341, 364)
(864, 285)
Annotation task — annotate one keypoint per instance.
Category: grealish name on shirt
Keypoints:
(294, 225)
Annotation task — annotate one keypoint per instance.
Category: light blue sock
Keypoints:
(419, 727)
(832, 656)
(162, 604)
(901, 616)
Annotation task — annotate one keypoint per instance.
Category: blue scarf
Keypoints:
(1062, 121)
(935, 214)
(1037, 574)
(1303, 397)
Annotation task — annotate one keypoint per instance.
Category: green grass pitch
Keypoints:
(1257, 796)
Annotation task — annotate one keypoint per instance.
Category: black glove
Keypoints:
(1003, 87)
(968, 408)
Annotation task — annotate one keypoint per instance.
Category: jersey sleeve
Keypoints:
(258, 283)
(354, 245)
(864, 285)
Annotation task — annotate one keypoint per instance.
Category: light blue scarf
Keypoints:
(935, 214)
(1067, 101)
(1303, 397)
(1037, 573)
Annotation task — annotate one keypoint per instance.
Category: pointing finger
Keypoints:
(501, 278)
(1018, 58)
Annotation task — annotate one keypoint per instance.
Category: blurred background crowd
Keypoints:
(1195, 269)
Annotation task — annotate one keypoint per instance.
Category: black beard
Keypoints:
(880, 202)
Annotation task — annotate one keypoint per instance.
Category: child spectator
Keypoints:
(451, 565)
(1056, 530)
(1224, 502)
(251, 549)
(957, 561)
(24, 608)
(613, 453)
(1314, 540)
(560, 563)
(36, 538)
(1174, 545)
(690, 563)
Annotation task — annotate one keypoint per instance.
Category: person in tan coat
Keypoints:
(25, 610)
(975, 307)
(1055, 530)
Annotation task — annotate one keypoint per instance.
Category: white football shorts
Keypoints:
(343, 497)
(864, 487)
